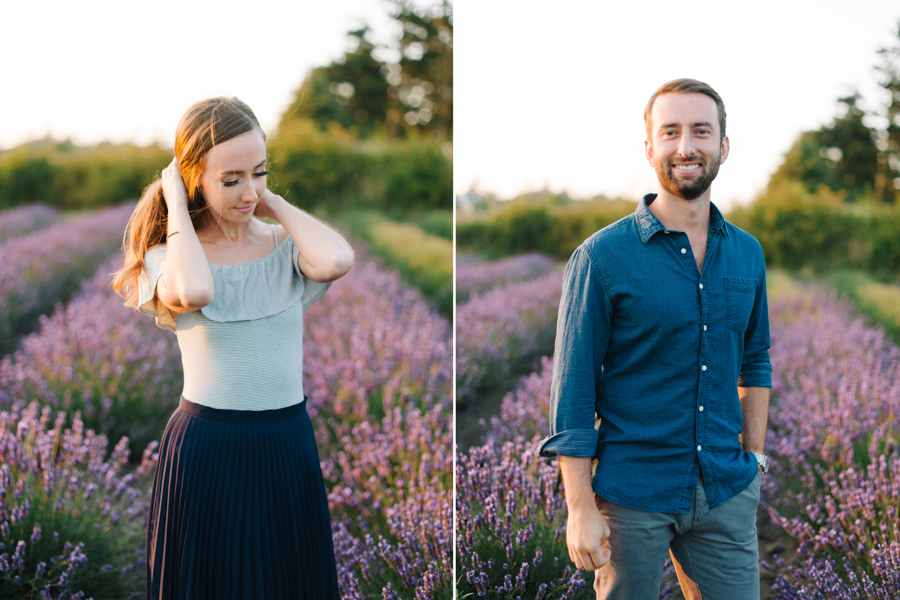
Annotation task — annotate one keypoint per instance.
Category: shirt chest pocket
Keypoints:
(740, 292)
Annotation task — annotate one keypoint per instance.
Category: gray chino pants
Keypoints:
(715, 551)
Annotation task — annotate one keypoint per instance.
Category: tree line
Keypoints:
(372, 129)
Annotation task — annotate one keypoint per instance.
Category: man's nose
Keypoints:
(686, 145)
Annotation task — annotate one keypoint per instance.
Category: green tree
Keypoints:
(422, 82)
(887, 181)
(410, 96)
(841, 156)
(351, 92)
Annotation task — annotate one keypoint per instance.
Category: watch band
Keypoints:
(763, 462)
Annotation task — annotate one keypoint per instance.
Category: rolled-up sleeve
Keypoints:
(756, 368)
(582, 338)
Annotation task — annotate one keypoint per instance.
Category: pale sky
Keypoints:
(126, 71)
(551, 94)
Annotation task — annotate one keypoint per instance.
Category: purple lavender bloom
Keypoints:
(834, 417)
(500, 330)
(378, 369)
(52, 489)
(99, 357)
(479, 277)
(20, 221)
(499, 488)
(44, 267)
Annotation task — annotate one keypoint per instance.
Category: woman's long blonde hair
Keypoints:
(205, 124)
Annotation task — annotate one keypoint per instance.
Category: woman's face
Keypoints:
(234, 176)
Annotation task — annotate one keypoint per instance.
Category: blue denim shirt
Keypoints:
(658, 351)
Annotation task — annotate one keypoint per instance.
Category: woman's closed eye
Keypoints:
(232, 183)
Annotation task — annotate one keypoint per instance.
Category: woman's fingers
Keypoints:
(173, 184)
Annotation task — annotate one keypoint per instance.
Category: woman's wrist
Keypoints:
(275, 207)
(179, 219)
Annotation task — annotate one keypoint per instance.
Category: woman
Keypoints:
(238, 508)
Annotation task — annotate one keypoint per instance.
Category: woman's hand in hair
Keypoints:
(324, 254)
(267, 205)
(174, 191)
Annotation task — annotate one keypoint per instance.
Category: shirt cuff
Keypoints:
(758, 378)
(573, 442)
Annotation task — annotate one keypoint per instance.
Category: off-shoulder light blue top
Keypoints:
(244, 351)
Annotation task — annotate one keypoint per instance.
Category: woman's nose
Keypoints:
(250, 194)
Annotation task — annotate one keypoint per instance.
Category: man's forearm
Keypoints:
(576, 474)
(755, 410)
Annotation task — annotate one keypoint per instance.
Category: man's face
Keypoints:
(684, 146)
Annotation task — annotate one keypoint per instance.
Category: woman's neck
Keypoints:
(223, 230)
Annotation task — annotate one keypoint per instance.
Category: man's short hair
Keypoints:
(685, 86)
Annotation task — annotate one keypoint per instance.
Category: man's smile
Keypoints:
(687, 168)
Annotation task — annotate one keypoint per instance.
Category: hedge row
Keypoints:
(315, 170)
(798, 229)
(330, 171)
(546, 225)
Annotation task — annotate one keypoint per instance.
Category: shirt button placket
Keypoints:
(703, 380)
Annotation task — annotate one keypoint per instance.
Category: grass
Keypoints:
(780, 284)
(424, 261)
(880, 302)
(875, 300)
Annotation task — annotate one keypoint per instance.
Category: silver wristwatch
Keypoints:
(763, 461)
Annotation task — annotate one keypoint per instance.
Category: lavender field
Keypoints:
(828, 515)
(45, 266)
(96, 374)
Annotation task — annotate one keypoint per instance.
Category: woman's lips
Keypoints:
(246, 209)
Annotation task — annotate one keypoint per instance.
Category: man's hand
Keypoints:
(586, 530)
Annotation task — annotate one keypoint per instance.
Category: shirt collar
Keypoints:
(648, 224)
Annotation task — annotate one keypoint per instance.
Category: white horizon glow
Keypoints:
(125, 72)
(552, 96)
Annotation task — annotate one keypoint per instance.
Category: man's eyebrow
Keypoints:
(239, 172)
(698, 124)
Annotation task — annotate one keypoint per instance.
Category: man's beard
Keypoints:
(688, 190)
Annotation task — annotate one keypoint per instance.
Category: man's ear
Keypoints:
(726, 146)
(648, 151)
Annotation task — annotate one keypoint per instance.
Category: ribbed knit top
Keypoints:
(244, 351)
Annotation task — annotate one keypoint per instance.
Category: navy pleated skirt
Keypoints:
(239, 509)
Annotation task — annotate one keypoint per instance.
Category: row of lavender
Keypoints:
(378, 364)
(510, 508)
(834, 486)
(23, 220)
(833, 425)
(508, 321)
(44, 267)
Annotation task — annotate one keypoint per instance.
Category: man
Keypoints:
(663, 333)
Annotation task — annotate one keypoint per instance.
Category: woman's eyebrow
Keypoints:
(239, 172)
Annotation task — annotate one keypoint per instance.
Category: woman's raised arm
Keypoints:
(324, 254)
(186, 283)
